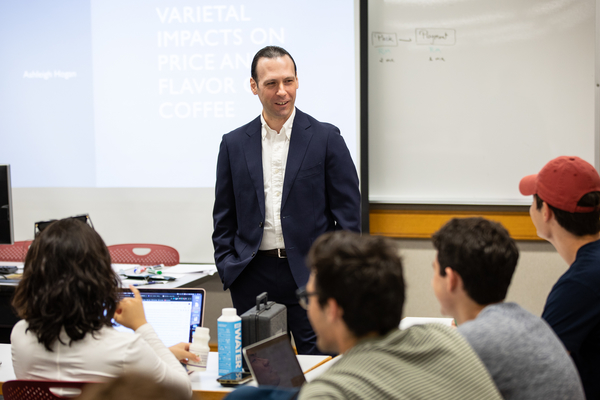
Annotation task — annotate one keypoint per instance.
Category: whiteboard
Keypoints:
(468, 96)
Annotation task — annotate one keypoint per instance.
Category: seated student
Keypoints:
(566, 212)
(473, 268)
(67, 297)
(355, 296)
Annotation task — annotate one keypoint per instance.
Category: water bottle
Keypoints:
(230, 341)
(200, 348)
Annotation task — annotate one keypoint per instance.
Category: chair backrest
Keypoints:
(14, 252)
(23, 389)
(155, 254)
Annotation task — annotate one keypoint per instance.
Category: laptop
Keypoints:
(273, 362)
(173, 313)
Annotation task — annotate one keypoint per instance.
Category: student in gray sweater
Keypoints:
(475, 262)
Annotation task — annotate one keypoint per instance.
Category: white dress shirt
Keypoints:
(275, 147)
(106, 354)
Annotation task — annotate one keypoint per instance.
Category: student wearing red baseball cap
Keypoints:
(566, 212)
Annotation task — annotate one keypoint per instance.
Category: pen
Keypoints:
(150, 283)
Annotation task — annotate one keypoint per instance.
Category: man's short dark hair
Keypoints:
(269, 52)
(482, 253)
(578, 224)
(363, 274)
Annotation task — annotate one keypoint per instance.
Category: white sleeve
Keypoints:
(149, 355)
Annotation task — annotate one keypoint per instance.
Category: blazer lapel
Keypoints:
(301, 135)
(253, 153)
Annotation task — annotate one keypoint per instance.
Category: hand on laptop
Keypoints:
(130, 311)
(181, 352)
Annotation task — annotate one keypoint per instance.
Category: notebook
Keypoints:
(173, 313)
(273, 362)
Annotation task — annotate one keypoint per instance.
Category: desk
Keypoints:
(184, 280)
(204, 384)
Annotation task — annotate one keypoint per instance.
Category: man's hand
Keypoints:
(130, 311)
(181, 352)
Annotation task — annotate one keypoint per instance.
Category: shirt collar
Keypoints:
(287, 126)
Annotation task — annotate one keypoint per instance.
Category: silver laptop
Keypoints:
(173, 313)
(273, 362)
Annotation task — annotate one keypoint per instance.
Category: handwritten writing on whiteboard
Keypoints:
(439, 37)
(382, 39)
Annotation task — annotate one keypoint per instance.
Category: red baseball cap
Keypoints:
(562, 183)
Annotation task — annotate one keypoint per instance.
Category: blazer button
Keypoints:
(260, 224)
(253, 253)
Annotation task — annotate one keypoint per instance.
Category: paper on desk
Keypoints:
(190, 268)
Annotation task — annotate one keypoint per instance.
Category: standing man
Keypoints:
(566, 212)
(282, 180)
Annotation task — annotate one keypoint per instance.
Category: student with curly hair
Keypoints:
(67, 298)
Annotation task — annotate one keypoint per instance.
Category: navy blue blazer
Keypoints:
(320, 194)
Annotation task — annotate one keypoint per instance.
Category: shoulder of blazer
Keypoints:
(245, 130)
(306, 121)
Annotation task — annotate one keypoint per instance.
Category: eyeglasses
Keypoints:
(303, 296)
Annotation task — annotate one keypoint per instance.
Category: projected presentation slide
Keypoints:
(138, 93)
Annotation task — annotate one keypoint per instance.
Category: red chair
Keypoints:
(15, 252)
(155, 254)
(22, 389)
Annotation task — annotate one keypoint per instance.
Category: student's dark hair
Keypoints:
(578, 224)
(482, 253)
(363, 274)
(269, 52)
(68, 282)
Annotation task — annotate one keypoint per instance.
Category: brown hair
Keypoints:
(68, 282)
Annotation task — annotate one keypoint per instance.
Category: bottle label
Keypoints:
(198, 365)
(230, 346)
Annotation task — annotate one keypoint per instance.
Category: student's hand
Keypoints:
(181, 352)
(130, 311)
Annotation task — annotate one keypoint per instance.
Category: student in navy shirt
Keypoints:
(566, 212)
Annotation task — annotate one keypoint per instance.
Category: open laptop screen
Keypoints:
(273, 362)
(173, 313)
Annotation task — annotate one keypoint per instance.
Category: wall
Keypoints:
(538, 269)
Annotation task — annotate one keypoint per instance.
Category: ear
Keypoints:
(253, 86)
(333, 311)
(453, 280)
(547, 213)
(297, 82)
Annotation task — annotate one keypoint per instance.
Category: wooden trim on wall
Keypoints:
(421, 224)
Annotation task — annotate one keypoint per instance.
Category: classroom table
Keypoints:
(204, 384)
(187, 275)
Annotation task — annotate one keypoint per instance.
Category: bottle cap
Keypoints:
(229, 312)
(202, 332)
